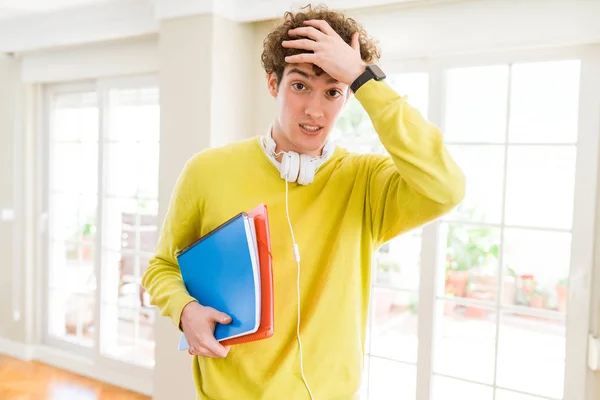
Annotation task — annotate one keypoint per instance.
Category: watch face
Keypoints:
(377, 72)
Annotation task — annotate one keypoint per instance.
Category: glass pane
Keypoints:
(545, 102)
(133, 170)
(354, 129)
(148, 226)
(476, 103)
(508, 395)
(398, 261)
(74, 117)
(148, 209)
(415, 86)
(74, 168)
(447, 388)
(393, 331)
(391, 379)
(540, 186)
(134, 114)
(531, 355)
(71, 316)
(539, 263)
(484, 170)
(64, 217)
(72, 267)
(120, 285)
(118, 332)
(88, 208)
(118, 230)
(465, 342)
(471, 252)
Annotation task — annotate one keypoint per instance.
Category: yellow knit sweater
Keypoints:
(355, 204)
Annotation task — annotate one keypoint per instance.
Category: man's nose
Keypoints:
(313, 108)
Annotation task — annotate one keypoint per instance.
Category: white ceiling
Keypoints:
(14, 8)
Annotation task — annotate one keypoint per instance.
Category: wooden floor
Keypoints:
(31, 380)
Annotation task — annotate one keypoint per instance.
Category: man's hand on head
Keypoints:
(330, 52)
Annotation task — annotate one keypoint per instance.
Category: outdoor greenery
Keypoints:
(469, 247)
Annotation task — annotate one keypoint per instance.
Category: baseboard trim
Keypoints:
(123, 376)
(18, 350)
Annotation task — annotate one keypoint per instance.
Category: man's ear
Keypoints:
(272, 84)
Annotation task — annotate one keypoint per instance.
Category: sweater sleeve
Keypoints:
(419, 180)
(162, 280)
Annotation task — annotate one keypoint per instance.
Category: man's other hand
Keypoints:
(198, 325)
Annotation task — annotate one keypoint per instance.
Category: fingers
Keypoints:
(202, 340)
(355, 42)
(307, 31)
(215, 348)
(219, 317)
(305, 44)
(301, 58)
(323, 26)
(201, 353)
(209, 347)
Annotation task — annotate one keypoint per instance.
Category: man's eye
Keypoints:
(334, 93)
(298, 86)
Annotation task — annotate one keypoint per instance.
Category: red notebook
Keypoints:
(266, 328)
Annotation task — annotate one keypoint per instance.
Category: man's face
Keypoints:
(308, 106)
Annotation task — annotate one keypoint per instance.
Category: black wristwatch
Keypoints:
(371, 72)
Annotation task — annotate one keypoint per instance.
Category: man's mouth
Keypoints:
(311, 129)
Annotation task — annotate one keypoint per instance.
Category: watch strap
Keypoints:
(361, 80)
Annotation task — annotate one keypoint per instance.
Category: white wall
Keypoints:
(481, 25)
(232, 73)
(263, 104)
(98, 60)
(9, 108)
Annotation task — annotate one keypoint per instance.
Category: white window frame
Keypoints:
(88, 361)
(582, 248)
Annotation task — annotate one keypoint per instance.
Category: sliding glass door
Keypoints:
(100, 208)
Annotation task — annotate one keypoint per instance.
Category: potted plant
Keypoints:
(467, 248)
(562, 292)
(87, 241)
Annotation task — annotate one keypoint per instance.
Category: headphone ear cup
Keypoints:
(290, 166)
(307, 170)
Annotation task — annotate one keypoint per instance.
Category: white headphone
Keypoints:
(293, 166)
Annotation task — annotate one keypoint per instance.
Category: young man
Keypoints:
(342, 207)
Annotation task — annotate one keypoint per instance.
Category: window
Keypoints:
(509, 242)
(474, 305)
(102, 204)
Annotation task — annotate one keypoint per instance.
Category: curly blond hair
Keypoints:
(273, 55)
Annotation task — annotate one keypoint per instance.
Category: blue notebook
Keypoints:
(221, 270)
